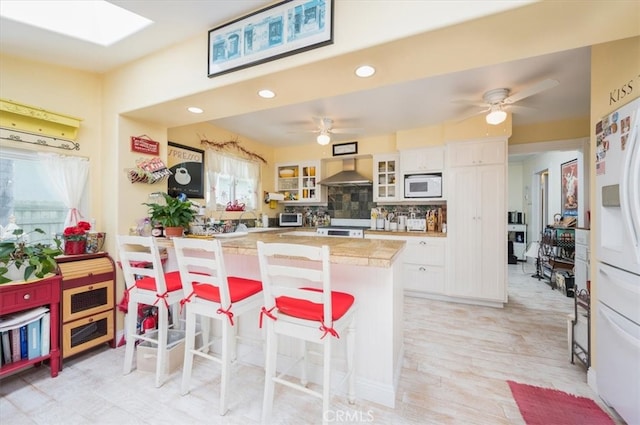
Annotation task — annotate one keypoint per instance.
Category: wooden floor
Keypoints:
(457, 361)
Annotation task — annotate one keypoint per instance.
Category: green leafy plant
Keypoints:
(173, 213)
(37, 259)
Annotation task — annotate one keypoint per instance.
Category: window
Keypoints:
(26, 196)
(231, 179)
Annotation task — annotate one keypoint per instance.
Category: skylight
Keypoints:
(95, 21)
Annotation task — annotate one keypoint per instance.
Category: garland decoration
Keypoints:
(234, 145)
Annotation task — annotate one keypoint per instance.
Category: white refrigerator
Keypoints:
(618, 254)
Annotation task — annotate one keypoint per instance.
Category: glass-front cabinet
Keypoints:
(386, 176)
(298, 182)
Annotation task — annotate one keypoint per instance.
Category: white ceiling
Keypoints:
(380, 111)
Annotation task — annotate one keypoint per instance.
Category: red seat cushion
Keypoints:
(341, 302)
(239, 289)
(172, 280)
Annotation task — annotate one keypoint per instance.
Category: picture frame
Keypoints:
(283, 29)
(187, 171)
(350, 148)
(569, 188)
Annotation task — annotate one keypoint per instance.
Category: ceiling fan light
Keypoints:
(323, 139)
(496, 116)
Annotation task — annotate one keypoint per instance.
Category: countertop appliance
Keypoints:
(416, 224)
(345, 228)
(290, 219)
(423, 185)
(618, 254)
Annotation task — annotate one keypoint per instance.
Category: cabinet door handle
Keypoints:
(27, 296)
(422, 243)
(422, 269)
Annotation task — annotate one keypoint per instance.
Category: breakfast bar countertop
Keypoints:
(355, 251)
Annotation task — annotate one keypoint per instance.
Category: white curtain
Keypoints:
(218, 164)
(68, 177)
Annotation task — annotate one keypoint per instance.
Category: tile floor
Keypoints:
(457, 360)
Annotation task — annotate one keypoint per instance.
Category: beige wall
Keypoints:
(64, 91)
(557, 130)
(614, 66)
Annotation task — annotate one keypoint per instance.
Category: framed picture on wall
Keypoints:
(282, 29)
(569, 179)
(187, 167)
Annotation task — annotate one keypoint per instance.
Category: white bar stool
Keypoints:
(155, 287)
(310, 313)
(211, 294)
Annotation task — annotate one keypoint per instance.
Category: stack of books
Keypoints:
(24, 335)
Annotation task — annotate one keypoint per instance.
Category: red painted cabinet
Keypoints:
(19, 297)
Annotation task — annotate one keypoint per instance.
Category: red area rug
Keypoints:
(543, 406)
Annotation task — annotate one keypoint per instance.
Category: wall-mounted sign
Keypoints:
(345, 148)
(187, 165)
(144, 144)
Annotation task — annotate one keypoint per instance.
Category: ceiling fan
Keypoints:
(325, 130)
(497, 101)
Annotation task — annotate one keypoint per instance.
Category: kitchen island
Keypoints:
(368, 269)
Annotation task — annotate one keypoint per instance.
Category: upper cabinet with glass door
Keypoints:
(386, 176)
(298, 182)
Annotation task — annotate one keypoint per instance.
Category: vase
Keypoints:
(75, 247)
(95, 241)
(173, 232)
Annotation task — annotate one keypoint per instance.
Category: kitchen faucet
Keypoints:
(255, 216)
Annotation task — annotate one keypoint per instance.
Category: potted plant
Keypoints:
(75, 238)
(20, 260)
(174, 215)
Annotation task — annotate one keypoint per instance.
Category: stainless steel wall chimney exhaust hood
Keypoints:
(348, 176)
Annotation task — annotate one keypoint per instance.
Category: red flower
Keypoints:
(74, 232)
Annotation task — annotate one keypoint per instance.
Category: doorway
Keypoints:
(543, 200)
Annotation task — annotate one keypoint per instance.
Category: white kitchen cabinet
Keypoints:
(476, 223)
(386, 178)
(464, 154)
(423, 264)
(422, 160)
(298, 182)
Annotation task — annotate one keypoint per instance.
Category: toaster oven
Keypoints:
(290, 219)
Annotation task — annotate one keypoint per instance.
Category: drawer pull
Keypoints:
(91, 288)
(27, 296)
(90, 319)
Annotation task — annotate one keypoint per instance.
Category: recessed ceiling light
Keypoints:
(365, 71)
(98, 22)
(266, 93)
(195, 110)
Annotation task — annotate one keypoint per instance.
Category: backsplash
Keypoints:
(357, 202)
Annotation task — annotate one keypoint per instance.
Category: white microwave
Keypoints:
(423, 185)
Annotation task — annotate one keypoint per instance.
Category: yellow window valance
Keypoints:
(31, 119)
